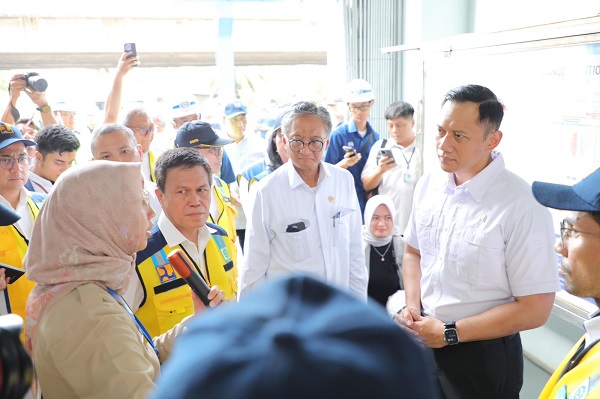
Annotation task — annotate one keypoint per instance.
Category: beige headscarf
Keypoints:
(87, 231)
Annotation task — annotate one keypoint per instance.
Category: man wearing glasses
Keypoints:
(14, 239)
(578, 374)
(137, 119)
(305, 217)
(357, 136)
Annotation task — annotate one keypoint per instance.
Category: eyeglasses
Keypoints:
(362, 108)
(568, 232)
(7, 162)
(313, 145)
(217, 151)
(144, 131)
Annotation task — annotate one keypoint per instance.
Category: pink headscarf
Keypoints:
(87, 231)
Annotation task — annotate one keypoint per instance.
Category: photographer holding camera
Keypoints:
(34, 86)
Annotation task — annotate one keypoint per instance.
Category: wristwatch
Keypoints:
(45, 109)
(451, 333)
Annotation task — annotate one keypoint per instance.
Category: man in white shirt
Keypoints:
(395, 176)
(478, 265)
(305, 216)
(57, 147)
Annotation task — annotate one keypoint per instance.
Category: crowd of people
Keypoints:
(468, 243)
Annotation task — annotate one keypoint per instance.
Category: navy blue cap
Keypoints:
(582, 197)
(199, 133)
(8, 216)
(234, 109)
(296, 338)
(10, 134)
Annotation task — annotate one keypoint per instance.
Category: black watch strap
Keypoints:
(451, 333)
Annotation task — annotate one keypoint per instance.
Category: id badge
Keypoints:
(407, 176)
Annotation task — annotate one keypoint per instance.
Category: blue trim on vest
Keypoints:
(29, 185)
(38, 198)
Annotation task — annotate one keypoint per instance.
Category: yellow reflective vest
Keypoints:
(167, 298)
(13, 247)
(152, 162)
(583, 378)
(227, 212)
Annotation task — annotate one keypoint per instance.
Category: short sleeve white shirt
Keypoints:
(481, 243)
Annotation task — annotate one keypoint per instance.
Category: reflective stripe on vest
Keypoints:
(167, 303)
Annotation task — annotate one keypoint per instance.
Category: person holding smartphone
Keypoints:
(394, 164)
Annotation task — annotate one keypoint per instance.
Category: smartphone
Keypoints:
(12, 272)
(386, 153)
(130, 47)
(349, 149)
(295, 227)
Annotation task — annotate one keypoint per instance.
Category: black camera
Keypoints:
(35, 82)
(16, 369)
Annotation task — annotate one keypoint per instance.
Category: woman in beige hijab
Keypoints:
(84, 339)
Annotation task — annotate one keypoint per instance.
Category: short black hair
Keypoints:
(399, 109)
(183, 157)
(491, 110)
(56, 138)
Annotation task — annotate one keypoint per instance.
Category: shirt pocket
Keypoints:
(480, 258)
(295, 244)
(426, 233)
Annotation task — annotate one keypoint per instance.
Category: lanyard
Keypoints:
(577, 357)
(140, 326)
(409, 159)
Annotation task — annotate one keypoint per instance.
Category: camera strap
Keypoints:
(137, 321)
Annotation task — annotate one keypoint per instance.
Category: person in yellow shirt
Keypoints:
(14, 239)
(578, 375)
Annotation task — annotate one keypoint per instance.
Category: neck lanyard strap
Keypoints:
(137, 321)
(409, 159)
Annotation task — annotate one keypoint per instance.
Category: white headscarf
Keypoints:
(370, 207)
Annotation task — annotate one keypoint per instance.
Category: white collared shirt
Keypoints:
(481, 243)
(592, 328)
(25, 224)
(40, 185)
(329, 246)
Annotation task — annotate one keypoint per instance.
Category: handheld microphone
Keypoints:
(181, 264)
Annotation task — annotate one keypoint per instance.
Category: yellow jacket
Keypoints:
(13, 247)
(582, 380)
(167, 298)
(227, 212)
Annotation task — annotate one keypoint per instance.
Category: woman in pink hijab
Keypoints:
(84, 339)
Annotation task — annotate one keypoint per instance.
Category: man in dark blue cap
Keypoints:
(201, 136)
(578, 375)
(296, 338)
(14, 172)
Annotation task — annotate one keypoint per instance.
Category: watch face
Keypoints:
(451, 336)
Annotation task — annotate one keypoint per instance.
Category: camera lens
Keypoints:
(37, 83)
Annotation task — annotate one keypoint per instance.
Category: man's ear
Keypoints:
(38, 156)
(494, 139)
(141, 152)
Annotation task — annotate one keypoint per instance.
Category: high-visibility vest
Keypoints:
(152, 162)
(582, 381)
(167, 298)
(227, 212)
(13, 247)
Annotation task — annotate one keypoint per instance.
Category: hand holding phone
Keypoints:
(130, 47)
(387, 153)
(349, 150)
(13, 272)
